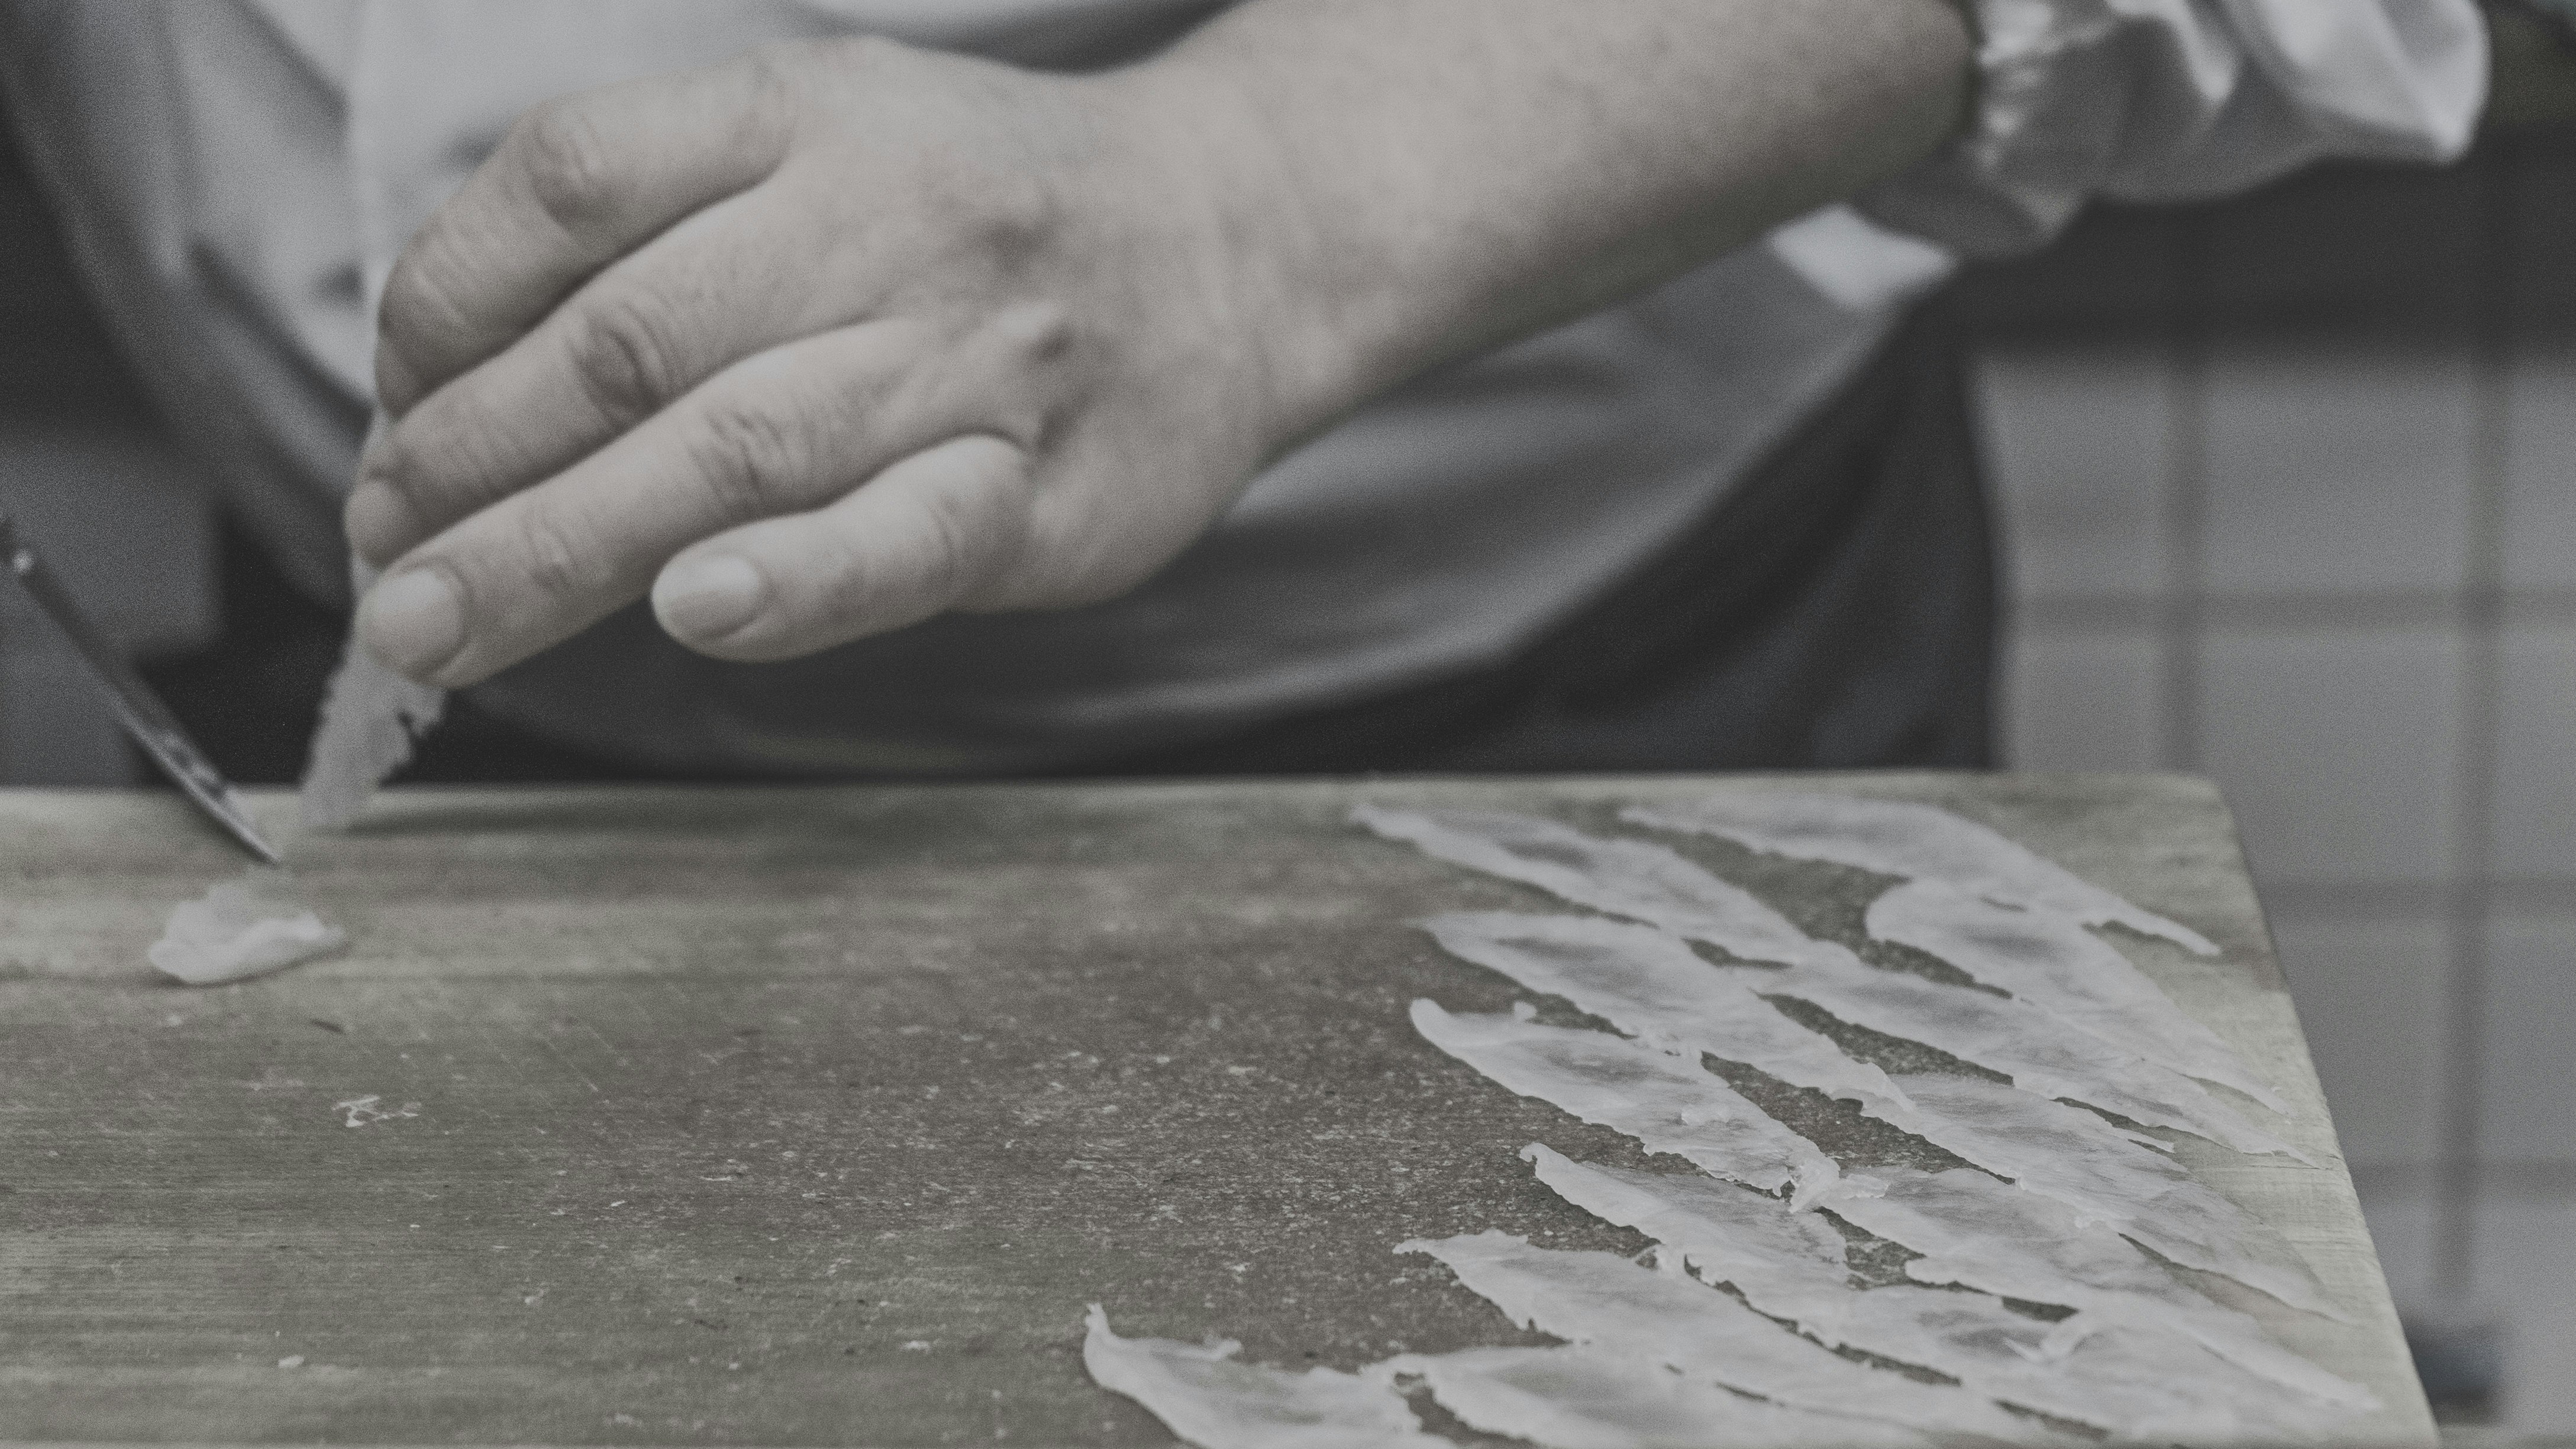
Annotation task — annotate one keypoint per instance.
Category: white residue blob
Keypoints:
(1915, 842)
(1204, 1394)
(234, 932)
(371, 718)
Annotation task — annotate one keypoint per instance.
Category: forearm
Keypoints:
(1440, 176)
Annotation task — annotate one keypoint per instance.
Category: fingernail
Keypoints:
(708, 598)
(378, 521)
(413, 623)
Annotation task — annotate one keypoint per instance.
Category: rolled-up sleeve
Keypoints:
(2167, 100)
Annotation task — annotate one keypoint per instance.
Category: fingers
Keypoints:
(928, 534)
(575, 184)
(783, 432)
(633, 339)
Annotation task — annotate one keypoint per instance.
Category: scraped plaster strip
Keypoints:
(2137, 1376)
(1581, 1398)
(1204, 1394)
(1980, 1233)
(1667, 1103)
(2054, 963)
(2086, 1165)
(1647, 983)
(1568, 1398)
(371, 719)
(1648, 882)
(1652, 985)
(1605, 1301)
(1915, 842)
(239, 930)
(2030, 1046)
(2104, 1172)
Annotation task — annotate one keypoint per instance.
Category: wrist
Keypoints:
(1267, 265)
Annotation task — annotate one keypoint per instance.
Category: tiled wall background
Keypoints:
(2290, 491)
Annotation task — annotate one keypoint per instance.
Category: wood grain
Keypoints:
(817, 1116)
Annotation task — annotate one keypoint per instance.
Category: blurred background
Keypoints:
(2288, 490)
(2288, 495)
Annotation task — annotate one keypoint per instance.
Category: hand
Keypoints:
(838, 336)
(815, 344)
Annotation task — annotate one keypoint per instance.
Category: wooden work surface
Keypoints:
(817, 1116)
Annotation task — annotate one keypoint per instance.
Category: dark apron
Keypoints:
(1835, 611)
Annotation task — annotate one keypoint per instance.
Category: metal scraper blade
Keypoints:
(140, 710)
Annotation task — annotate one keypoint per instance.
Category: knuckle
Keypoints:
(773, 96)
(1006, 215)
(421, 322)
(984, 525)
(846, 56)
(560, 149)
(1037, 332)
(751, 456)
(625, 353)
(439, 464)
(558, 567)
(949, 568)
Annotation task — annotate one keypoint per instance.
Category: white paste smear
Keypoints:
(1667, 1103)
(1918, 842)
(1633, 878)
(371, 717)
(1665, 1355)
(1647, 882)
(1650, 984)
(2048, 1147)
(2024, 1043)
(1730, 1235)
(1204, 1395)
(1604, 1301)
(2054, 963)
(1975, 1231)
(234, 933)
(2137, 1383)
(2075, 1158)
(1579, 1398)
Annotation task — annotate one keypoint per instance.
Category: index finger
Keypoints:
(577, 183)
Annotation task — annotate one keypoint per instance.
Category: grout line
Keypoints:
(2555, 1180)
(2304, 611)
(2549, 899)
(2186, 500)
(2473, 778)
